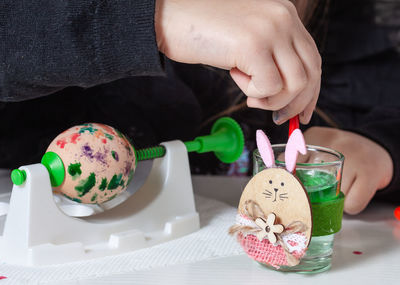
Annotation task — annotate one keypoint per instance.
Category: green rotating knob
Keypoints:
(18, 176)
(55, 167)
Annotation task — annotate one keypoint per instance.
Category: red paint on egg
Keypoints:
(356, 252)
(74, 137)
(103, 140)
(108, 129)
(61, 143)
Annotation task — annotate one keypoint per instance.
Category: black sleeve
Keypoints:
(47, 45)
(383, 126)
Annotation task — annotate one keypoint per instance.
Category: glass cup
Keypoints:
(320, 171)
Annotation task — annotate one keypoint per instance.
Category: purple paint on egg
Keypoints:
(101, 157)
(87, 151)
(128, 166)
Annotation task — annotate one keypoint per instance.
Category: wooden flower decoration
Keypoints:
(268, 228)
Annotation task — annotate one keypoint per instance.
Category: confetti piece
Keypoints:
(397, 213)
(357, 252)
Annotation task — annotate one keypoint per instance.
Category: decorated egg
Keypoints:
(99, 162)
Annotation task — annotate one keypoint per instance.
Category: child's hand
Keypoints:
(263, 43)
(368, 167)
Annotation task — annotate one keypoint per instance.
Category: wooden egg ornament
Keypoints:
(99, 162)
(274, 220)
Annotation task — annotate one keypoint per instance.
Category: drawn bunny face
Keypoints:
(278, 186)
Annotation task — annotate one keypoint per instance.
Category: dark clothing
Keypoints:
(361, 75)
(47, 45)
(100, 62)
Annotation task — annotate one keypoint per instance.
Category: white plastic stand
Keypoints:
(37, 232)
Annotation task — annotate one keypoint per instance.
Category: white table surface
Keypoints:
(375, 233)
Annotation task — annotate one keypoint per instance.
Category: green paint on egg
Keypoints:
(74, 169)
(115, 155)
(94, 197)
(86, 184)
(112, 197)
(119, 133)
(103, 184)
(73, 199)
(89, 128)
(115, 182)
(110, 137)
(122, 183)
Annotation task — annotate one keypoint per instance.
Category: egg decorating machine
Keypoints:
(44, 227)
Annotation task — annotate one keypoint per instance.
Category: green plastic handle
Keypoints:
(226, 141)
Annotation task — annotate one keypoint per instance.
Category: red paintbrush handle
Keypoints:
(293, 124)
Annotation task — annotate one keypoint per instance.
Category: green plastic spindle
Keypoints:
(150, 152)
(226, 141)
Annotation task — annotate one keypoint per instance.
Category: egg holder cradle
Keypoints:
(38, 232)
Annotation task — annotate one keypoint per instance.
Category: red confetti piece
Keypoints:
(357, 252)
(2, 277)
(397, 213)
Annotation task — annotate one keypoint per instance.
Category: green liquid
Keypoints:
(321, 186)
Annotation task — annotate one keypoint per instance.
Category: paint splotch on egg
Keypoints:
(99, 162)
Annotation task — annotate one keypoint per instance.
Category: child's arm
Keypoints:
(370, 165)
(270, 54)
(47, 45)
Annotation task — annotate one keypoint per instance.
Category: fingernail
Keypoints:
(275, 117)
(278, 116)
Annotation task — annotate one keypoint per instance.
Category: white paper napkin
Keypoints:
(211, 241)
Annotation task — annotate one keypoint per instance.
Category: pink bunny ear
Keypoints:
(265, 149)
(294, 145)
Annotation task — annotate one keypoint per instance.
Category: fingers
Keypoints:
(308, 52)
(348, 179)
(293, 75)
(306, 115)
(302, 80)
(295, 81)
(306, 101)
(359, 195)
(260, 77)
(296, 106)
